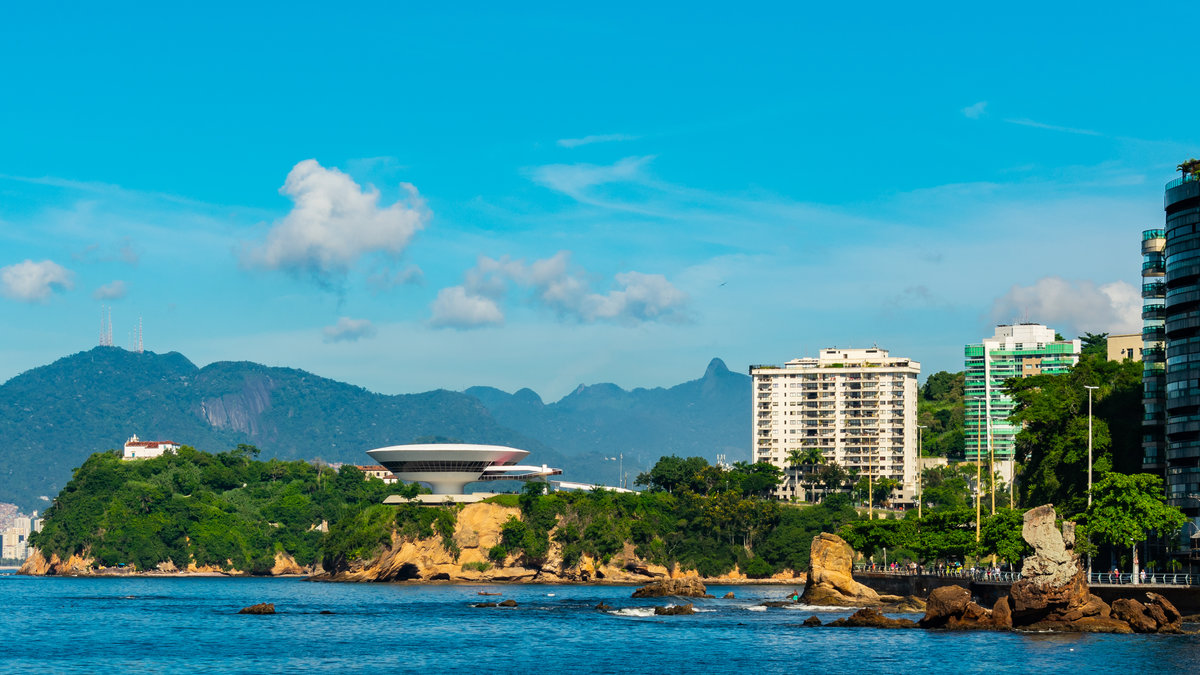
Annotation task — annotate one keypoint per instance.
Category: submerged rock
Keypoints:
(830, 581)
(260, 608)
(508, 603)
(603, 607)
(871, 618)
(675, 610)
(812, 621)
(728, 596)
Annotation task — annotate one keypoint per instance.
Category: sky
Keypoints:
(409, 197)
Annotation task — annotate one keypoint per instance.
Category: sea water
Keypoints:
(191, 625)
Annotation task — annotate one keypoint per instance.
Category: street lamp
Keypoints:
(920, 482)
(1089, 491)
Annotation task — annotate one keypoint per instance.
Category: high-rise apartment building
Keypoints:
(1154, 352)
(1017, 350)
(1182, 331)
(857, 406)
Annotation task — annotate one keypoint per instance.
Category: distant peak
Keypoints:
(716, 367)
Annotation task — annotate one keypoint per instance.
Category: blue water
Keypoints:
(190, 625)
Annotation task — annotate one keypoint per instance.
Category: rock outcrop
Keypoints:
(687, 587)
(1052, 594)
(871, 618)
(830, 581)
(675, 610)
(260, 608)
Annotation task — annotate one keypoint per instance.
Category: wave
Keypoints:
(633, 611)
(756, 608)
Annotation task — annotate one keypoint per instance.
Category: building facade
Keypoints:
(1017, 350)
(1182, 339)
(857, 406)
(1154, 352)
(138, 449)
(1122, 347)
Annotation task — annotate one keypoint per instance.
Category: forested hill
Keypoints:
(55, 416)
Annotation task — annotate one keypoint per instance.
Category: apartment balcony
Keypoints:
(1154, 268)
(1155, 311)
(1153, 334)
(1154, 290)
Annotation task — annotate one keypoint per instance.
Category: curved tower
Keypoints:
(1182, 329)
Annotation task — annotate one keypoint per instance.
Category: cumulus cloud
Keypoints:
(975, 110)
(554, 284)
(454, 307)
(349, 330)
(114, 291)
(334, 223)
(31, 281)
(1073, 307)
(595, 138)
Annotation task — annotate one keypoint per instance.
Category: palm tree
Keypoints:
(1189, 168)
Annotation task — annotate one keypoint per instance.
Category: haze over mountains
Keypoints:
(54, 416)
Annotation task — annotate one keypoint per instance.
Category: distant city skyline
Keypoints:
(410, 199)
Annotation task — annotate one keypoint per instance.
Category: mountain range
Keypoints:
(54, 416)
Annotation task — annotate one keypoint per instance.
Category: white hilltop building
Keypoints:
(139, 449)
(448, 467)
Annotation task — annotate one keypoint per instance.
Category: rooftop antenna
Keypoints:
(106, 327)
(138, 345)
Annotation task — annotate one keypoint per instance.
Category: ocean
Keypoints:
(191, 625)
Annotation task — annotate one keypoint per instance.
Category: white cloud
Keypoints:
(454, 307)
(30, 281)
(555, 285)
(595, 138)
(349, 330)
(334, 223)
(1073, 307)
(975, 110)
(574, 179)
(114, 291)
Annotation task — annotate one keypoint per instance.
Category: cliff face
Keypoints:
(477, 529)
(84, 566)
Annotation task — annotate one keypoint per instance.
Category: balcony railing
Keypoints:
(1156, 290)
(1189, 178)
(1153, 234)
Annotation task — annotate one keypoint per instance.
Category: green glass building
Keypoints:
(1018, 350)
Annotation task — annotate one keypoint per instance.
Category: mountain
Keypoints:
(703, 417)
(54, 416)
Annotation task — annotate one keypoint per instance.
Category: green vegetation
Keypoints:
(1052, 446)
(227, 510)
(1126, 510)
(940, 409)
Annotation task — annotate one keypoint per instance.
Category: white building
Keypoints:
(857, 406)
(138, 449)
(376, 471)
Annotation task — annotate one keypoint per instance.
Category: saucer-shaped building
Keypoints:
(448, 467)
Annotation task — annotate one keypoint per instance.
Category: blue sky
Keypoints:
(408, 198)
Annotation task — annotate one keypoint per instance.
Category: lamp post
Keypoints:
(870, 478)
(920, 481)
(1089, 490)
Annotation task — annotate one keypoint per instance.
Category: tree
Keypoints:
(1053, 410)
(1094, 344)
(1000, 535)
(671, 473)
(1126, 509)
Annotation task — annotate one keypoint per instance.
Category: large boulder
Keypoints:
(1169, 619)
(260, 608)
(675, 610)
(944, 603)
(686, 587)
(830, 581)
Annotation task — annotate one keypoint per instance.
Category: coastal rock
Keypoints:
(285, 564)
(485, 604)
(687, 587)
(812, 621)
(829, 580)
(35, 565)
(1134, 613)
(1172, 619)
(1052, 582)
(902, 603)
(728, 596)
(1002, 613)
(871, 618)
(260, 608)
(508, 603)
(675, 610)
(604, 607)
(1093, 607)
(973, 617)
(943, 603)
(1093, 624)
